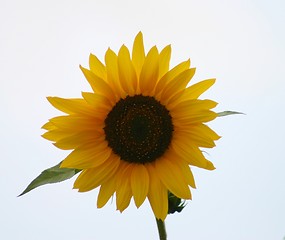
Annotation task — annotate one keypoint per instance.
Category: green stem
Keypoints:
(161, 229)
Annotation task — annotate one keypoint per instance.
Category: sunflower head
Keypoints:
(140, 129)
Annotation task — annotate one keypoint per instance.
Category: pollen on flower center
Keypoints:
(138, 129)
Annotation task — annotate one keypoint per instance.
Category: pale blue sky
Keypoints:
(241, 43)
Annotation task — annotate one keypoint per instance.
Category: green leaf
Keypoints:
(175, 204)
(51, 175)
(226, 113)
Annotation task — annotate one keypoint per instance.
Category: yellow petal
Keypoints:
(194, 118)
(187, 173)
(49, 126)
(111, 61)
(87, 156)
(197, 89)
(196, 137)
(77, 139)
(192, 154)
(123, 188)
(98, 84)
(127, 73)
(139, 183)
(172, 177)
(157, 194)
(183, 165)
(138, 54)
(100, 103)
(200, 129)
(97, 67)
(183, 108)
(170, 75)
(78, 123)
(107, 189)
(176, 84)
(149, 73)
(93, 177)
(69, 106)
(56, 134)
(190, 105)
(164, 59)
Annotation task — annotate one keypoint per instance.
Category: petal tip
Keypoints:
(140, 34)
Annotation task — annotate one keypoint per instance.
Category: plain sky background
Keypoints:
(241, 43)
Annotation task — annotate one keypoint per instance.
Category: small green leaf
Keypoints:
(51, 175)
(175, 204)
(226, 113)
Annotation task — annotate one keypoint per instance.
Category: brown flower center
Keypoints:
(139, 129)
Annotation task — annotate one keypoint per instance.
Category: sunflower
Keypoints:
(137, 133)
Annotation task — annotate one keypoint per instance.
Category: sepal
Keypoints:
(175, 204)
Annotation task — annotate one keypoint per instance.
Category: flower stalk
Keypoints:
(161, 229)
